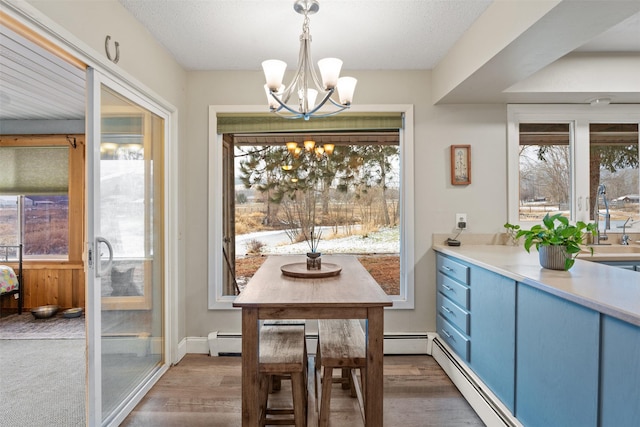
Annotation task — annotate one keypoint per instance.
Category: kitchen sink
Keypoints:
(614, 249)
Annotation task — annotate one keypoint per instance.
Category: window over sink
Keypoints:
(561, 155)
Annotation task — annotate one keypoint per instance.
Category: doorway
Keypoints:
(135, 314)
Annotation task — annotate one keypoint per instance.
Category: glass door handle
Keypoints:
(98, 261)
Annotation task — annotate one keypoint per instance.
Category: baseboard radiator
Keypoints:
(482, 400)
(226, 344)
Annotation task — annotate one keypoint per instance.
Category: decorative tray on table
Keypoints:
(299, 269)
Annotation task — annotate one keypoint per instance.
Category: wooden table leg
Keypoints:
(250, 389)
(375, 380)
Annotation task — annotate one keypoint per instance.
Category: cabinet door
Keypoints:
(620, 389)
(493, 320)
(556, 361)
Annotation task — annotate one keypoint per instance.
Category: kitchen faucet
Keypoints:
(624, 240)
(602, 191)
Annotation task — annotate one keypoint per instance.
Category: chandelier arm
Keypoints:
(283, 105)
(339, 105)
(310, 68)
(297, 115)
(321, 103)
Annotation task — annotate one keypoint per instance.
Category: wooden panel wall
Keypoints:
(62, 285)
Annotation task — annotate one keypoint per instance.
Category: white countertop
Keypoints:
(609, 290)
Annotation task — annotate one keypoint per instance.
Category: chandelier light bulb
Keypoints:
(312, 94)
(274, 73)
(273, 103)
(291, 146)
(346, 89)
(328, 148)
(309, 145)
(330, 72)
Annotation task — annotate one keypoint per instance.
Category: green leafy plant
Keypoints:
(556, 231)
(512, 233)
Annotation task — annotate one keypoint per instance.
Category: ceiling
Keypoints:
(238, 35)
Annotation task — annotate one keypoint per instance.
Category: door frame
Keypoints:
(34, 20)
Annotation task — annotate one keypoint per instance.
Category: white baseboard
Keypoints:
(488, 407)
(198, 345)
(224, 343)
(181, 350)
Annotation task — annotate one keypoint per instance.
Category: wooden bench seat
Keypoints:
(341, 345)
(283, 354)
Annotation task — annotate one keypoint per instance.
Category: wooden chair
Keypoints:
(283, 354)
(341, 345)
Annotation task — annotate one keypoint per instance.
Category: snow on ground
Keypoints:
(386, 240)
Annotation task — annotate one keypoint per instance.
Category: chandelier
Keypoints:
(303, 94)
(302, 157)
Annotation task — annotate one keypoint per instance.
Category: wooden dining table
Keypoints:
(352, 294)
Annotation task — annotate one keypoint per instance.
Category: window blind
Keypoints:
(268, 122)
(34, 170)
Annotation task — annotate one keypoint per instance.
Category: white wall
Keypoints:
(436, 201)
(436, 128)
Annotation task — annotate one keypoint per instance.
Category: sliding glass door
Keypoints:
(125, 254)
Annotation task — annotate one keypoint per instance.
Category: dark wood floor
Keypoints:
(205, 391)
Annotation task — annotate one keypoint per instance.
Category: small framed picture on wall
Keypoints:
(460, 164)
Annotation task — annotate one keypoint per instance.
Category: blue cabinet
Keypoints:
(453, 300)
(476, 318)
(620, 373)
(493, 323)
(550, 361)
(557, 357)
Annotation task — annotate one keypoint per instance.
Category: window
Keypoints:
(220, 216)
(342, 187)
(574, 160)
(41, 195)
(40, 222)
(545, 168)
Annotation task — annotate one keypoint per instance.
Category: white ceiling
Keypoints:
(240, 34)
(365, 34)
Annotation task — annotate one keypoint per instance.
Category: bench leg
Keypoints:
(299, 399)
(327, 382)
(346, 379)
(265, 382)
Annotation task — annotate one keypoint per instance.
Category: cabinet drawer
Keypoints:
(458, 342)
(453, 269)
(454, 314)
(453, 290)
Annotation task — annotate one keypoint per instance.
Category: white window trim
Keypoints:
(579, 117)
(218, 301)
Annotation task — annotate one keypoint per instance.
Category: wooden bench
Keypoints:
(341, 345)
(283, 354)
(275, 383)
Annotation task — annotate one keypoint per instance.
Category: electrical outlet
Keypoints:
(461, 221)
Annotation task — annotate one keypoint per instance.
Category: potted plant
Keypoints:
(557, 241)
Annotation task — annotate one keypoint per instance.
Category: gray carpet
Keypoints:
(26, 327)
(27, 364)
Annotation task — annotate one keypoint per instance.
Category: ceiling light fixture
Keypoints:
(300, 87)
(600, 101)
